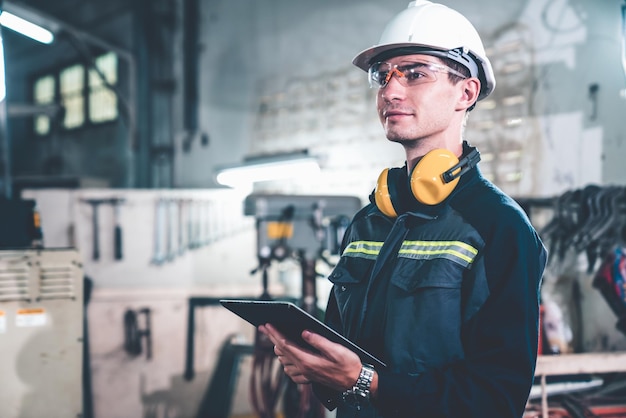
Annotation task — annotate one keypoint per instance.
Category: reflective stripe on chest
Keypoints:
(456, 251)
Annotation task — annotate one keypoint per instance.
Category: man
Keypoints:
(439, 276)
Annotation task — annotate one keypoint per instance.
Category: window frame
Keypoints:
(86, 93)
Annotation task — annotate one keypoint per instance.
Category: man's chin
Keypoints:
(399, 139)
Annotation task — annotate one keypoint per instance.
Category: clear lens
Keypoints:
(409, 74)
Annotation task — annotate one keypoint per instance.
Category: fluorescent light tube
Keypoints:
(248, 174)
(26, 28)
(3, 85)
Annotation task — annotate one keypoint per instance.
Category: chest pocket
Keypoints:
(423, 264)
(412, 275)
(425, 299)
(426, 290)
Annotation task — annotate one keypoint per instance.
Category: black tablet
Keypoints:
(291, 320)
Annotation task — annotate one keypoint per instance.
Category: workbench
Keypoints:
(570, 364)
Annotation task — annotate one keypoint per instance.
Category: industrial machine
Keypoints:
(301, 227)
(41, 333)
(307, 229)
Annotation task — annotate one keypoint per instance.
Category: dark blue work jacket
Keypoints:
(448, 297)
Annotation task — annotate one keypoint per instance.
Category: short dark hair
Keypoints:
(458, 67)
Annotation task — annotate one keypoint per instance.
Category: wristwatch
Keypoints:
(359, 394)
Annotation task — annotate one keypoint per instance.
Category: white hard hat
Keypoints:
(433, 29)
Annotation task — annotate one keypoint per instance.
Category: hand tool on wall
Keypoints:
(210, 224)
(190, 224)
(117, 229)
(220, 219)
(170, 253)
(204, 236)
(197, 224)
(194, 224)
(95, 203)
(182, 246)
(72, 242)
(157, 256)
(133, 335)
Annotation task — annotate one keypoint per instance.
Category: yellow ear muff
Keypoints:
(382, 195)
(427, 183)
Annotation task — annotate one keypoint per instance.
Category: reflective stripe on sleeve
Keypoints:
(363, 249)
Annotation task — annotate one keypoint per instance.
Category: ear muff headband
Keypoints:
(432, 180)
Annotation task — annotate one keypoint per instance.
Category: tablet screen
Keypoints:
(291, 320)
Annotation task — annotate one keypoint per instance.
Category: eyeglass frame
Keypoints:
(400, 71)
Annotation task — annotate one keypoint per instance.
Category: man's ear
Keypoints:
(470, 92)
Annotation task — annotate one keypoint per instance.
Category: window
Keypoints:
(43, 93)
(71, 85)
(102, 100)
(86, 98)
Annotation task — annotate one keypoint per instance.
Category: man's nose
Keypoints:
(391, 73)
(393, 88)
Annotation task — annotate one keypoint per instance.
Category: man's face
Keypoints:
(418, 100)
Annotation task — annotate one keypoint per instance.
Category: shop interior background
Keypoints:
(118, 128)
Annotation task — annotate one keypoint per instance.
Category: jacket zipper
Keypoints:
(397, 233)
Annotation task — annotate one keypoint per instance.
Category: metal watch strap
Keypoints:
(361, 389)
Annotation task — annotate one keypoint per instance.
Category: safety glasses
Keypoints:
(408, 74)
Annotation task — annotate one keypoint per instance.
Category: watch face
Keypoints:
(355, 398)
(360, 393)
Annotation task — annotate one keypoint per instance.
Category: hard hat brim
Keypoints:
(367, 57)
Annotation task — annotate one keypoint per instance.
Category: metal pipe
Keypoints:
(190, 50)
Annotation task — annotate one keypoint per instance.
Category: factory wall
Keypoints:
(176, 245)
(553, 122)
(277, 77)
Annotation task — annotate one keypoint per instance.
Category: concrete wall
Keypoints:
(276, 76)
(294, 87)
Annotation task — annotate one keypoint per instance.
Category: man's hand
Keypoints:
(334, 366)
